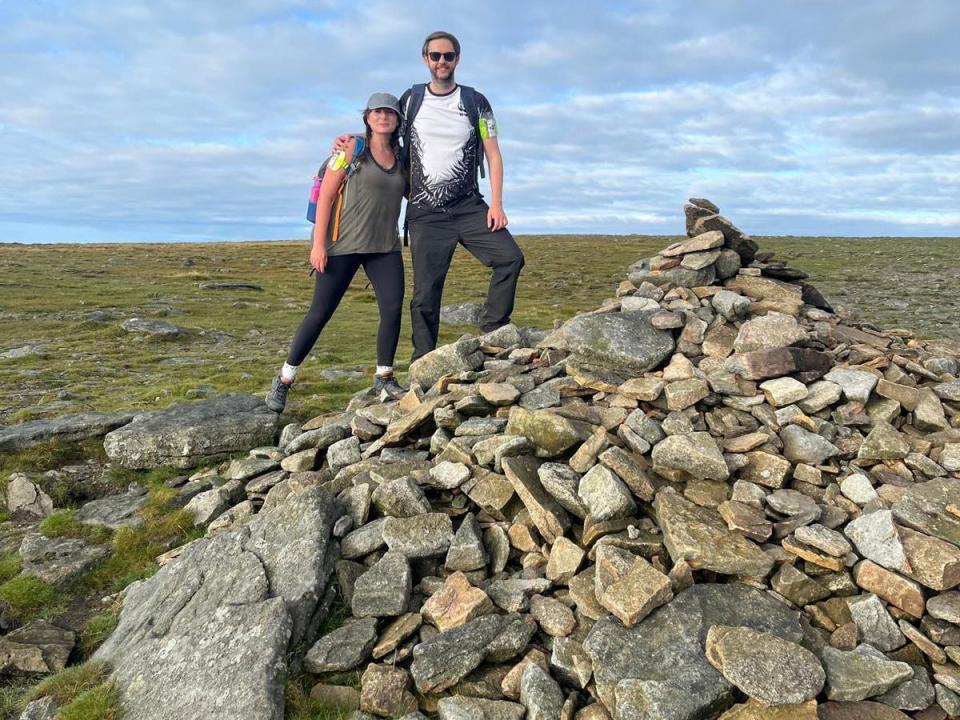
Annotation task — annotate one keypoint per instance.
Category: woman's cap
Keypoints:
(383, 100)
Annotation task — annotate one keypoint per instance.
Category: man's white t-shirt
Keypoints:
(443, 148)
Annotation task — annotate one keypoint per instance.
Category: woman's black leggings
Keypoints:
(385, 271)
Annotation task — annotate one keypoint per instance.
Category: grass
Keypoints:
(238, 339)
(135, 549)
(97, 629)
(10, 567)
(102, 703)
(29, 598)
(70, 682)
(64, 523)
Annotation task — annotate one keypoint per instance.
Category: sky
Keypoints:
(202, 120)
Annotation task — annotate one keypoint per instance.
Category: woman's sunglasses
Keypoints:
(448, 56)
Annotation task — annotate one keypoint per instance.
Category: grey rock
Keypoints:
(876, 538)
(426, 535)
(856, 384)
(803, 446)
(547, 514)
(38, 647)
(466, 550)
(186, 435)
(562, 481)
(857, 487)
(774, 330)
(570, 662)
(948, 700)
(45, 708)
(151, 328)
(343, 453)
(400, 498)
(57, 560)
(453, 358)
(605, 495)
(344, 648)
(364, 540)
(249, 467)
(481, 426)
(829, 541)
(694, 453)
(883, 442)
(861, 673)
(27, 499)
(511, 593)
(384, 589)
(321, 438)
(914, 694)
(731, 305)
(209, 505)
(699, 536)
(540, 694)
(460, 707)
(449, 475)
(614, 341)
(441, 662)
(188, 628)
(923, 507)
(764, 666)
(115, 511)
(945, 606)
(67, 428)
(658, 666)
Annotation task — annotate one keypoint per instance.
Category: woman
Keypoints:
(361, 232)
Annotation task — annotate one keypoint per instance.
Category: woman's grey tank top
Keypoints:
(371, 208)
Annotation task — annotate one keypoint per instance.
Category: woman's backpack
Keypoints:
(337, 161)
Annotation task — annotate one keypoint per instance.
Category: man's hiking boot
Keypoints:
(387, 387)
(277, 397)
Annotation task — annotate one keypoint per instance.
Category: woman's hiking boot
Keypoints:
(387, 387)
(277, 397)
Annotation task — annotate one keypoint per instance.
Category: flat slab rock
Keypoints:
(660, 663)
(115, 511)
(65, 429)
(223, 615)
(625, 342)
(186, 435)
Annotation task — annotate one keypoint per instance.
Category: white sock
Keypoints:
(288, 373)
(384, 370)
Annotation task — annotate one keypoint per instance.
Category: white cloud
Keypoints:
(204, 119)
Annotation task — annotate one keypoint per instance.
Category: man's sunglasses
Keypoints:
(448, 56)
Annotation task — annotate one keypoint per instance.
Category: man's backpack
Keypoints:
(339, 161)
(414, 99)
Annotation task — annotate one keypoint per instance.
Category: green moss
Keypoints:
(63, 523)
(70, 683)
(10, 567)
(102, 703)
(29, 598)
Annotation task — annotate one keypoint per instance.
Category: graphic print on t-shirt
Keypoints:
(443, 148)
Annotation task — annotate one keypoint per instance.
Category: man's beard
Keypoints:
(442, 81)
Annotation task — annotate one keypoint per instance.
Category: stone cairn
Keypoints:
(713, 496)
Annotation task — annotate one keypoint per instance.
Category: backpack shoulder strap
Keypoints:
(410, 102)
(468, 96)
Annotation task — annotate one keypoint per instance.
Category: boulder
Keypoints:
(188, 628)
(67, 428)
(659, 666)
(625, 343)
(187, 435)
(456, 357)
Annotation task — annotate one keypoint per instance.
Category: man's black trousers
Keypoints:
(433, 238)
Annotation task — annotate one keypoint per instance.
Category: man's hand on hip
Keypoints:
(496, 218)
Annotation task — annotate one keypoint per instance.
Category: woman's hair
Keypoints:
(394, 136)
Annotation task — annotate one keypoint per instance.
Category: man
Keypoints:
(446, 136)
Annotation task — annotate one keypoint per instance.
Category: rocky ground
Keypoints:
(714, 496)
